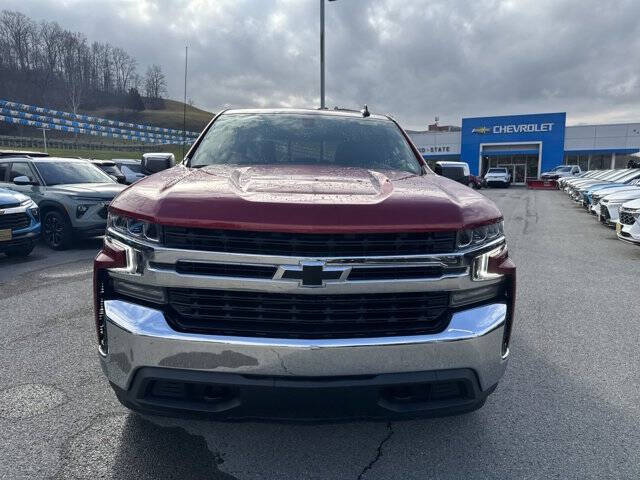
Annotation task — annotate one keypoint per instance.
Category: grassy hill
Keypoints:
(169, 117)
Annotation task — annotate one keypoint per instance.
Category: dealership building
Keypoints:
(530, 144)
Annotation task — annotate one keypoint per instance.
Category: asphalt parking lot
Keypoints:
(568, 407)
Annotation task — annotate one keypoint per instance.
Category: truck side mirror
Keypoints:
(156, 162)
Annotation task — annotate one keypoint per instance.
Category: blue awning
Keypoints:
(442, 156)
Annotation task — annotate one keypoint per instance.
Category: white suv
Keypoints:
(498, 176)
(628, 226)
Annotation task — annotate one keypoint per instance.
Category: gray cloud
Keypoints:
(412, 59)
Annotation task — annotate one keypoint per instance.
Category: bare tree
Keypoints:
(124, 66)
(18, 29)
(74, 49)
(155, 83)
(46, 63)
(136, 81)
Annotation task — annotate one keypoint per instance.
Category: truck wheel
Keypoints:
(21, 251)
(56, 230)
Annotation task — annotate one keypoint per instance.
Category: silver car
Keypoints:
(72, 194)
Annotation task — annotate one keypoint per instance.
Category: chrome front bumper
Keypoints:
(139, 336)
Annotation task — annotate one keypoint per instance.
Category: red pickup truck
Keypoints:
(303, 264)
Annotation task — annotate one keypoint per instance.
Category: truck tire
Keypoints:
(56, 230)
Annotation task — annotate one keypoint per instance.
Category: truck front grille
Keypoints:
(358, 273)
(604, 211)
(310, 245)
(14, 221)
(278, 315)
(626, 218)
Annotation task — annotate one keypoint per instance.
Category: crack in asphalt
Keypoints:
(378, 451)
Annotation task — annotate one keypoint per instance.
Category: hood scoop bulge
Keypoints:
(307, 185)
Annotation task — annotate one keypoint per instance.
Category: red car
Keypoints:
(303, 264)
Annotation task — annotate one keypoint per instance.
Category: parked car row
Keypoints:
(561, 171)
(613, 196)
(61, 198)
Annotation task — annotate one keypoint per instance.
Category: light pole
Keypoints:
(184, 105)
(322, 105)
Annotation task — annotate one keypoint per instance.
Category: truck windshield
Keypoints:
(71, 172)
(497, 170)
(299, 139)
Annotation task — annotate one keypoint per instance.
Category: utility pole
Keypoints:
(184, 110)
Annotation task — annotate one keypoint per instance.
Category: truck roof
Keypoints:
(307, 111)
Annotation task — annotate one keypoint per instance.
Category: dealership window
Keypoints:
(509, 161)
(622, 160)
(600, 161)
(574, 159)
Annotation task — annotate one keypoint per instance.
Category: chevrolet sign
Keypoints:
(522, 128)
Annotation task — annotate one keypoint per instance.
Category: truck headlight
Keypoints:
(480, 235)
(481, 268)
(133, 227)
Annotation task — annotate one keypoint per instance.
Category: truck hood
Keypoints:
(104, 191)
(304, 198)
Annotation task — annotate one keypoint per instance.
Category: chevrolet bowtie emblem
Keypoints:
(311, 273)
(481, 130)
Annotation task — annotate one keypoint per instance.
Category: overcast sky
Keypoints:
(413, 59)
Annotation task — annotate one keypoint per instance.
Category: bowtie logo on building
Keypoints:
(481, 130)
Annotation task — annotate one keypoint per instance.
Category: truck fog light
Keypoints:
(142, 292)
(475, 295)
